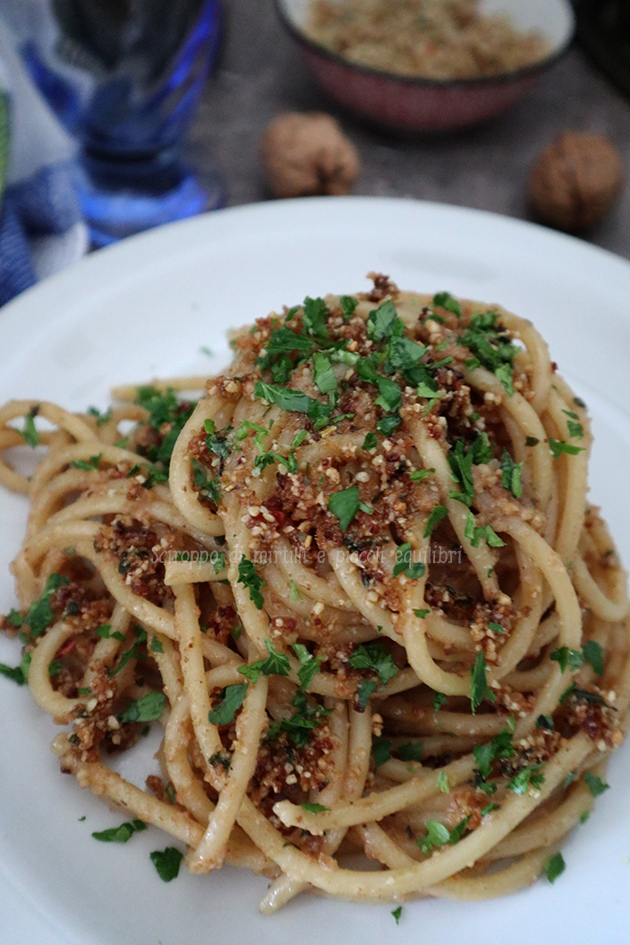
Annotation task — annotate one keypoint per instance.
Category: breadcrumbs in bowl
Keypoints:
(428, 65)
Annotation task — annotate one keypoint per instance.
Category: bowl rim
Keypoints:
(511, 76)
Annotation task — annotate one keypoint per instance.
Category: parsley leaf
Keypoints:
(479, 689)
(554, 867)
(324, 376)
(299, 727)
(499, 747)
(476, 533)
(233, 698)
(594, 654)
(595, 785)
(87, 465)
(214, 442)
(316, 313)
(382, 750)
(404, 565)
(120, 834)
(397, 912)
(250, 578)
(364, 693)
(292, 400)
(18, 674)
(386, 425)
(40, 614)
(312, 808)
(281, 343)
(491, 344)
(167, 863)
(347, 304)
(410, 751)
(438, 513)
(147, 709)
(511, 479)
(383, 322)
(421, 614)
(566, 657)
(344, 505)
(208, 487)
(29, 433)
(525, 779)
(275, 664)
(370, 442)
(438, 701)
(531, 441)
(309, 665)
(419, 474)
(558, 447)
(376, 657)
(445, 300)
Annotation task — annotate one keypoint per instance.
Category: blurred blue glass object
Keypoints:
(125, 77)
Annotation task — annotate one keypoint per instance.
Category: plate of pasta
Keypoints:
(316, 519)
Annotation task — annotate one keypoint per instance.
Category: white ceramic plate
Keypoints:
(144, 308)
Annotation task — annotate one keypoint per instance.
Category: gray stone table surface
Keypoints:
(261, 74)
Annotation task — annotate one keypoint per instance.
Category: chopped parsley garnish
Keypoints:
(511, 475)
(584, 816)
(132, 653)
(443, 782)
(55, 668)
(299, 727)
(344, 505)
(461, 462)
(496, 627)
(489, 808)
(475, 533)
(251, 579)
(594, 654)
(309, 665)
(421, 614)
(156, 646)
(87, 465)
(397, 912)
(382, 750)
(445, 300)
(531, 441)
(370, 442)
(207, 485)
(40, 614)
(386, 425)
(313, 808)
(554, 867)
(559, 447)
(419, 474)
(29, 432)
(566, 657)
(294, 591)
(275, 664)
(120, 834)
(438, 513)
(365, 693)
(293, 400)
(167, 863)
(479, 689)
(283, 342)
(438, 701)
(499, 747)
(147, 709)
(544, 721)
(17, 674)
(383, 322)
(576, 430)
(315, 315)
(491, 344)
(595, 785)
(164, 408)
(438, 834)
(376, 657)
(105, 633)
(233, 698)
(404, 565)
(101, 418)
(528, 777)
(324, 376)
(347, 304)
(410, 751)
(214, 443)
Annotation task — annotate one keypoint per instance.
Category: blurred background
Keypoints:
(120, 115)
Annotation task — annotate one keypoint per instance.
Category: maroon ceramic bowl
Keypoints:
(430, 105)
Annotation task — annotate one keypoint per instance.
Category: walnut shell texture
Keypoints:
(307, 155)
(576, 181)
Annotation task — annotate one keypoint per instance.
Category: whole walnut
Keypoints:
(308, 154)
(576, 181)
